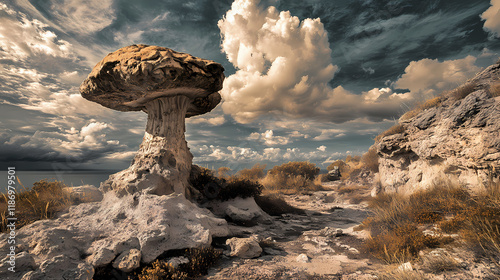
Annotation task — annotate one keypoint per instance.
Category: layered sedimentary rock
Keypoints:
(458, 139)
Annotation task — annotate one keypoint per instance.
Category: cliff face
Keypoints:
(456, 136)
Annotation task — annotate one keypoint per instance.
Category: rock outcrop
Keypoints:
(458, 138)
(169, 86)
(119, 231)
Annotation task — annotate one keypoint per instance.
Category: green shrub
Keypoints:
(293, 168)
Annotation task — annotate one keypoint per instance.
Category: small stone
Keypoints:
(246, 248)
(128, 260)
(406, 267)
(175, 262)
(302, 258)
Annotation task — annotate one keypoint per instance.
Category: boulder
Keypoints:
(457, 140)
(239, 210)
(128, 229)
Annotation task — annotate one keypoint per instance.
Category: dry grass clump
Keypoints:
(494, 89)
(462, 91)
(441, 262)
(43, 201)
(275, 205)
(200, 260)
(396, 129)
(451, 207)
(431, 103)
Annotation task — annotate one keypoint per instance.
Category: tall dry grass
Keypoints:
(43, 201)
(395, 224)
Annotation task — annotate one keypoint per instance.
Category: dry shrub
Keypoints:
(275, 205)
(200, 260)
(295, 168)
(396, 218)
(288, 184)
(253, 174)
(214, 188)
(236, 187)
(482, 221)
(462, 91)
(224, 172)
(349, 189)
(369, 160)
(396, 129)
(399, 244)
(476, 218)
(43, 201)
(494, 89)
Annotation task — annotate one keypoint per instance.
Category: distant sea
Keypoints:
(69, 178)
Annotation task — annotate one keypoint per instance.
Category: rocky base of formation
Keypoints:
(121, 231)
(459, 139)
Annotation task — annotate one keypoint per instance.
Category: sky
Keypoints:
(306, 80)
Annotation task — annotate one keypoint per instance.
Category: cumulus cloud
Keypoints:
(283, 68)
(429, 77)
(491, 18)
(268, 138)
(239, 157)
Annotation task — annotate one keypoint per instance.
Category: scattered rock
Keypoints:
(128, 260)
(405, 267)
(245, 248)
(303, 258)
(175, 262)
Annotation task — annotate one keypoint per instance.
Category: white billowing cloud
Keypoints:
(429, 77)
(21, 37)
(284, 66)
(492, 18)
(268, 138)
(233, 155)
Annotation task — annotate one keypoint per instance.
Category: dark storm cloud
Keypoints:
(386, 35)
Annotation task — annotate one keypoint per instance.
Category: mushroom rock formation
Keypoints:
(169, 86)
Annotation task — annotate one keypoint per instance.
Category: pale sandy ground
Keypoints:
(331, 255)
